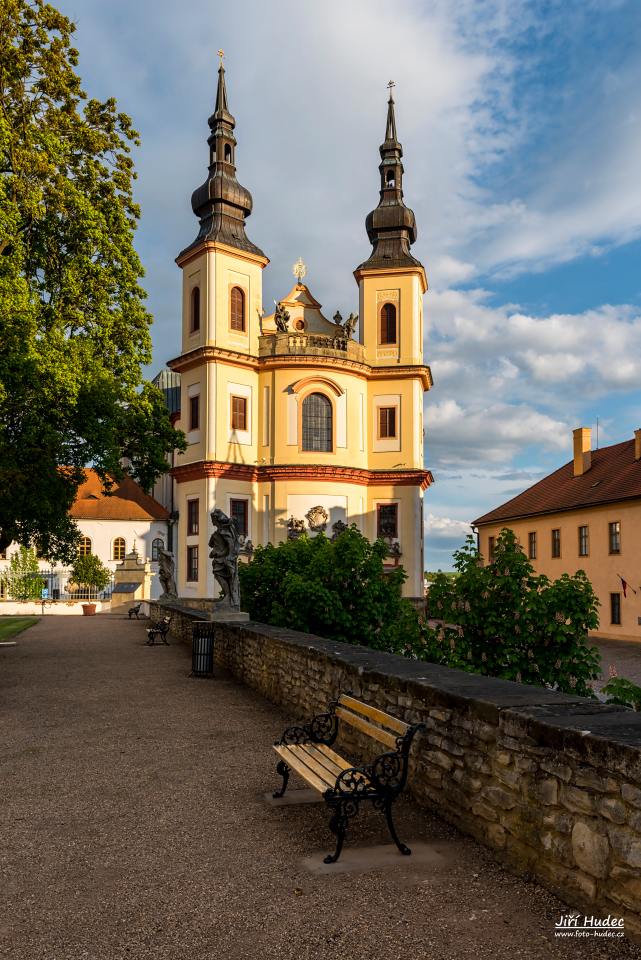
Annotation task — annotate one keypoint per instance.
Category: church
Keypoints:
(296, 422)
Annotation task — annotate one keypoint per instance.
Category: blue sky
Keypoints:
(521, 128)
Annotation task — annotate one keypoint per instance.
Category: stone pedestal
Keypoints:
(132, 582)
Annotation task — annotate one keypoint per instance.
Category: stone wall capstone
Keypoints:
(550, 782)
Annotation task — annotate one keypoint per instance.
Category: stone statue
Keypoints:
(225, 550)
(281, 318)
(295, 528)
(167, 574)
(338, 318)
(261, 315)
(350, 324)
(338, 528)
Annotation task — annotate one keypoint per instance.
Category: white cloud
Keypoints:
(446, 528)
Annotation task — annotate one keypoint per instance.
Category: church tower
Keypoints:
(221, 308)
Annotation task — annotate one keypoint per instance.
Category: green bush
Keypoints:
(623, 692)
(90, 572)
(503, 620)
(22, 580)
(333, 588)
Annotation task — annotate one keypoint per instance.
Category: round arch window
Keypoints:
(318, 431)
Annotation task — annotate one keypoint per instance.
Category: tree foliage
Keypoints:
(504, 620)
(74, 328)
(21, 580)
(333, 588)
(89, 571)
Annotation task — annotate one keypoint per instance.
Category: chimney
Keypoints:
(582, 450)
(637, 444)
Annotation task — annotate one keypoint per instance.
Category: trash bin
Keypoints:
(202, 649)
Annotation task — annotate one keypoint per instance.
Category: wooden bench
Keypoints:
(307, 750)
(158, 628)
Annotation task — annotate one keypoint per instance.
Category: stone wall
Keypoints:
(551, 782)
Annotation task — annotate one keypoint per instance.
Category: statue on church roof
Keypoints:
(338, 318)
(281, 318)
(225, 550)
(350, 324)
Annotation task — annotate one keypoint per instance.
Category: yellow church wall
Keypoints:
(407, 449)
(602, 567)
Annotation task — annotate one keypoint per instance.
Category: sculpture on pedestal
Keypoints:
(167, 574)
(225, 548)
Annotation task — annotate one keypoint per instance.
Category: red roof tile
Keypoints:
(614, 475)
(126, 501)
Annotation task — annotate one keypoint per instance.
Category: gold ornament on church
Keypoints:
(299, 270)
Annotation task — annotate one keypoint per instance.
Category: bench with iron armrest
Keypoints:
(135, 611)
(158, 628)
(306, 749)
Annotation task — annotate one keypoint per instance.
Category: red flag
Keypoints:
(625, 585)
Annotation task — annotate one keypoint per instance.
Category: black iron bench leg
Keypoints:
(283, 769)
(343, 810)
(387, 809)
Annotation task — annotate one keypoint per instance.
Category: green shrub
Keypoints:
(333, 588)
(90, 572)
(22, 580)
(624, 692)
(503, 620)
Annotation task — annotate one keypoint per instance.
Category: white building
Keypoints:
(111, 525)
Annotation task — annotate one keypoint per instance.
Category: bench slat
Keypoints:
(311, 759)
(374, 714)
(330, 760)
(299, 763)
(365, 727)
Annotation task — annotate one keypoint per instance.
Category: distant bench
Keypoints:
(306, 749)
(158, 628)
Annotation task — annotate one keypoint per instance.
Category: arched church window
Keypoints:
(227, 153)
(118, 552)
(195, 309)
(84, 547)
(317, 423)
(237, 309)
(388, 323)
(156, 545)
(391, 182)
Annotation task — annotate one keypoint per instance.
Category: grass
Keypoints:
(10, 626)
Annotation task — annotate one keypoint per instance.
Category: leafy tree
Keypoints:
(73, 325)
(624, 692)
(503, 620)
(333, 588)
(22, 580)
(90, 572)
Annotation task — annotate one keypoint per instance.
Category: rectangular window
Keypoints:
(239, 413)
(387, 520)
(192, 564)
(239, 510)
(531, 545)
(386, 422)
(614, 537)
(194, 413)
(556, 543)
(583, 541)
(490, 549)
(192, 517)
(3, 554)
(615, 608)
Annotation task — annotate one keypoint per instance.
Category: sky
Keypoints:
(521, 129)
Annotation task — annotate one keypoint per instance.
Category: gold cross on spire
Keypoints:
(390, 87)
(221, 54)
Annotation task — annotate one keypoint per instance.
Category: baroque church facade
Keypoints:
(293, 421)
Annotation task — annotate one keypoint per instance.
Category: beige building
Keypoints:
(584, 516)
(291, 421)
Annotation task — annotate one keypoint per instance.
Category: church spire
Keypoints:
(221, 203)
(391, 227)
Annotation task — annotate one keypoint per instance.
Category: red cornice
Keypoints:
(312, 472)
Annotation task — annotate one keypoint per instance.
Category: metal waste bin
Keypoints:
(202, 649)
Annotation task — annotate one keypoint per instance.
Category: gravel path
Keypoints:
(133, 827)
